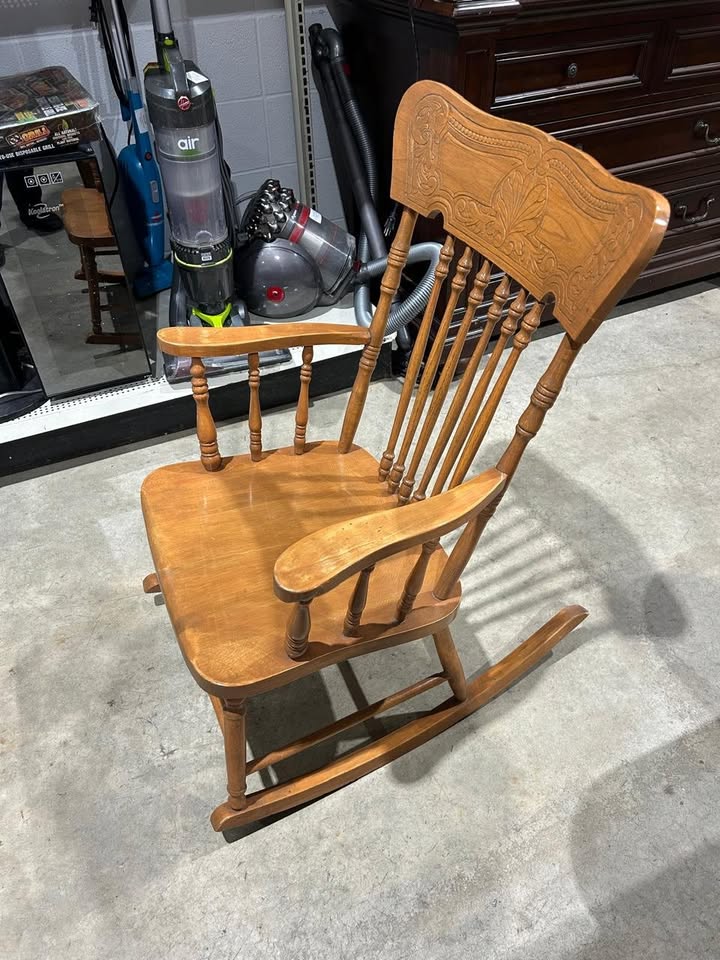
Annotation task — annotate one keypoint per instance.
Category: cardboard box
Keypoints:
(44, 113)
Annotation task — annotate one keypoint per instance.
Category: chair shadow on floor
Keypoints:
(544, 549)
(645, 850)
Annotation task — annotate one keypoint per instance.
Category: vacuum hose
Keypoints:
(356, 169)
(400, 313)
(372, 231)
(329, 57)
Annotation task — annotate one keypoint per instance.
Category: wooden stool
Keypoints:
(87, 225)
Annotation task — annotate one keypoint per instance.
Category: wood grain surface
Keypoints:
(543, 211)
(207, 342)
(215, 539)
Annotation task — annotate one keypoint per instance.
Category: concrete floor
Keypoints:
(577, 816)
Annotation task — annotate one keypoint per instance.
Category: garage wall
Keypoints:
(241, 44)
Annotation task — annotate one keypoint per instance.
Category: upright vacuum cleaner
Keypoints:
(198, 188)
(136, 162)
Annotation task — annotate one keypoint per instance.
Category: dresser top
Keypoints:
(503, 8)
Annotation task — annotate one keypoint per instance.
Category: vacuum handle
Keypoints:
(122, 49)
(168, 53)
(175, 65)
(160, 10)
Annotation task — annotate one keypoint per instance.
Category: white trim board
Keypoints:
(74, 411)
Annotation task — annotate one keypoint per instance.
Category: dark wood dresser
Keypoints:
(635, 84)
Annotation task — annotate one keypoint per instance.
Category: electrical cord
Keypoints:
(126, 36)
(243, 198)
(19, 393)
(116, 169)
(227, 187)
(411, 13)
(98, 11)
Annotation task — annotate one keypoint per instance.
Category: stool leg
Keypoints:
(90, 268)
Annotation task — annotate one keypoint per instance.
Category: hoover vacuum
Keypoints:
(282, 258)
(136, 161)
(197, 182)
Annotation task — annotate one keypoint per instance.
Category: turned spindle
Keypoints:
(255, 417)
(298, 630)
(482, 278)
(442, 269)
(358, 599)
(415, 579)
(205, 425)
(302, 412)
(502, 292)
(397, 258)
(457, 285)
(522, 339)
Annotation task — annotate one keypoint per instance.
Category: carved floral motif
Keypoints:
(427, 131)
(516, 223)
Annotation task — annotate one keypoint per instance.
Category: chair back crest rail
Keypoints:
(569, 239)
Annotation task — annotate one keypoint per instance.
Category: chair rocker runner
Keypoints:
(335, 580)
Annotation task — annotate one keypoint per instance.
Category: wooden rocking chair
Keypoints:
(248, 549)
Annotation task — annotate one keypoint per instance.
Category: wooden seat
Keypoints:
(88, 226)
(223, 563)
(277, 563)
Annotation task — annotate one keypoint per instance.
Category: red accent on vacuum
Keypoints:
(275, 294)
(299, 228)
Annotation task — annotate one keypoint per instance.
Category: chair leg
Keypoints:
(218, 708)
(349, 767)
(448, 656)
(235, 751)
(90, 268)
(151, 584)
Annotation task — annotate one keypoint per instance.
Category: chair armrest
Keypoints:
(226, 341)
(322, 560)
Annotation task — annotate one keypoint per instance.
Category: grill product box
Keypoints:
(44, 113)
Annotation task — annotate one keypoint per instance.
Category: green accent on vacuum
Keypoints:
(201, 266)
(213, 319)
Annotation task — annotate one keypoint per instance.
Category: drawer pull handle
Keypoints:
(681, 210)
(702, 130)
(572, 71)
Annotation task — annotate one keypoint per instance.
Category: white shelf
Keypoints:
(74, 411)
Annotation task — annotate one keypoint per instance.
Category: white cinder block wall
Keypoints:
(241, 44)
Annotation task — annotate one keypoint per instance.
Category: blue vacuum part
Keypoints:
(136, 162)
(143, 189)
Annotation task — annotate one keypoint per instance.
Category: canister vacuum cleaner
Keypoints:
(282, 258)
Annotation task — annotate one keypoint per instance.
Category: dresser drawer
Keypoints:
(652, 139)
(694, 52)
(692, 205)
(571, 65)
(694, 216)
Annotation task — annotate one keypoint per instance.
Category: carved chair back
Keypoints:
(569, 238)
